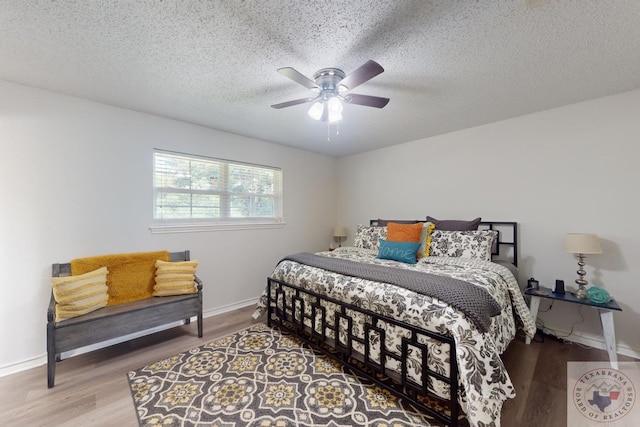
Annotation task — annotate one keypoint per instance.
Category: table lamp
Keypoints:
(339, 235)
(582, 244)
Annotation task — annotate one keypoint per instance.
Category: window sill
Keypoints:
(197, 228)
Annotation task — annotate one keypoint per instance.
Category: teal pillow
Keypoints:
(398, 251)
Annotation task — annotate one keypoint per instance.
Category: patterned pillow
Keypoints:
(398, 251)
(382, 222)
(463, 244)
(369, 237)
(174, 278)
(80, 294)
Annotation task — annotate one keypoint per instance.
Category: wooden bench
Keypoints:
(117, 320)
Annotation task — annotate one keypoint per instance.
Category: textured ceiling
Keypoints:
(449, 65)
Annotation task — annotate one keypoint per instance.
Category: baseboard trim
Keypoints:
(14, 368)
(40, 360)
(592, 341)
(229, 307)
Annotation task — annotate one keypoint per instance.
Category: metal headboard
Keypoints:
(506, 247)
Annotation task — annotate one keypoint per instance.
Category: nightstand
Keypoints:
(605, 310)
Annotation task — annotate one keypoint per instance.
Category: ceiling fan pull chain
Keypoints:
(329, 130)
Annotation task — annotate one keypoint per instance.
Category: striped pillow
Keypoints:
(81, 294)
(174, 278)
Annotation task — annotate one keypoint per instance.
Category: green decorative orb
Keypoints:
(598, 295)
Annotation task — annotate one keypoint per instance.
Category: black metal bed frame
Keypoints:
(286, 308)
(289, 313)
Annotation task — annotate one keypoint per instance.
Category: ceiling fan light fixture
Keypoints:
(334, 116)
(331, 85)
(334, 105)
(334, 109)
(316, 110)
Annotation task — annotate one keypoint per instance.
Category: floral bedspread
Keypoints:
(484, 382)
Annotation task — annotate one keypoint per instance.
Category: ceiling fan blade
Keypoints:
(291, 103)
(298, 77)
(366, 100)
(367, 71)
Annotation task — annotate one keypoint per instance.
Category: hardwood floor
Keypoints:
(92, 389)
(539, 374)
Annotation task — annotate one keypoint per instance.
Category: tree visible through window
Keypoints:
(192, 189)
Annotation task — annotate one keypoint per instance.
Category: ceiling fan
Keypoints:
(331, 86)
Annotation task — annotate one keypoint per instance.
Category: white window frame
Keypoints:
(225, 221)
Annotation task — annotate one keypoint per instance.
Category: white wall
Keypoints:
(76, 181)
(571, 169)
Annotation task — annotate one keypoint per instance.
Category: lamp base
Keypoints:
(581, 292)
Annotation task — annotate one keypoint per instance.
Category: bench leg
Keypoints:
(200, 314)
(187, 321)
(51, 355)
(51, 370)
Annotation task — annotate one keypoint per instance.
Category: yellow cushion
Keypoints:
(425, 240)
(131, 275)
(175, 278)
(82, 294)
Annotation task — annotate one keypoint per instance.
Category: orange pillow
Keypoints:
(404, 232)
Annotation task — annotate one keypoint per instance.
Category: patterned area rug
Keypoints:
(262, 377)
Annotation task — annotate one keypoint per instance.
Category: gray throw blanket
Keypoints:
(473, 301)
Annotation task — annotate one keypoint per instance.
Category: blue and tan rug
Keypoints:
(261, 377)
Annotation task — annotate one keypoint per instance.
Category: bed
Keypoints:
(374, 315)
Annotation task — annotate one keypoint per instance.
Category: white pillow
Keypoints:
(369, 237)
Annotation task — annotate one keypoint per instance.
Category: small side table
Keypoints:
(606, 315)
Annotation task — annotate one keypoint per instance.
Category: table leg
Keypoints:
(535, 303)
(608, 330)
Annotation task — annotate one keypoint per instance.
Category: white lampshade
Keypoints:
(316, 110)
(579, 243)
(334, 106)
(339, 232)
(334, 117)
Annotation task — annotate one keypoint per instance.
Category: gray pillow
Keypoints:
(384, 222)
(455, 224)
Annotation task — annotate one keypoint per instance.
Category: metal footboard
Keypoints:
(327, 325)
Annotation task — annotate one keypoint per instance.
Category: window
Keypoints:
(194, 192)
